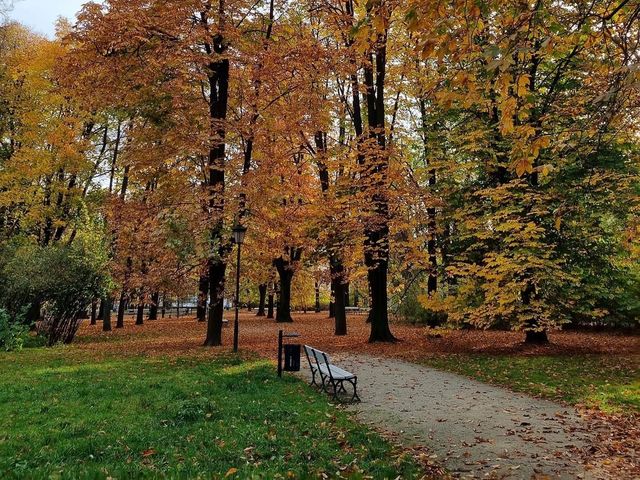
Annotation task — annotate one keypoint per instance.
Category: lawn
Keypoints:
(67, 414)
(609, 383)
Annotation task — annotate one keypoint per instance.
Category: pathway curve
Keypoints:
(476, 430)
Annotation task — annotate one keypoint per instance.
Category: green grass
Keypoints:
(609, 383)
(63, 415)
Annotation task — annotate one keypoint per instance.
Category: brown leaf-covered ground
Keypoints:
(173, 336)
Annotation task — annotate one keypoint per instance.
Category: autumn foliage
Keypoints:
(467, 163)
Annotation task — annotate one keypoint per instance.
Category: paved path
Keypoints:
(476, 430)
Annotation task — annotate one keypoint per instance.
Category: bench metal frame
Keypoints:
(326, 378)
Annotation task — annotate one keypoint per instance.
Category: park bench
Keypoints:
(330, 375)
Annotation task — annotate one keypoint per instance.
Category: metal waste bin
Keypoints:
(292, 357)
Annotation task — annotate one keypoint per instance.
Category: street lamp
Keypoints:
(239, 232)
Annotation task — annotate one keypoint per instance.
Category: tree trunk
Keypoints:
(378, 315)
(317, 297)
(340, 312)
(283, 315)
(332, 299)
(270, 306)
(536, 338)
(140, 313)
(217, 271)
(263, 296)
(94, 312)
(106, 313)
(338, 288)
(533, 334)
(153, 308)
(218, 79)
(203, 294)
(121, 309)
(285, 265)
(374, 166)
(347, 294)
(432, 282)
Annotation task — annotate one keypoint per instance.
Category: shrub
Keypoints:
(61, 279)
(13, 332)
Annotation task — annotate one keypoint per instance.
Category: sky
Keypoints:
(41, 15)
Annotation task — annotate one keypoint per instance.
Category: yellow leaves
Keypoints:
(558, 223)
(230, 472)
(522, 85)
(380, 24)
(539, 144)
(522, 166)
(507, 113)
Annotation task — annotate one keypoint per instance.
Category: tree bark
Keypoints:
(283, 314)
(140, 313)
(536, 338)
(153, 307)
(376, 168)
(380, 331)
(374, 165)
(263, 296)
(217, 271)
(533, 334)
(338, 288)
(106, 314)
(94, 312)
(332, 303)
(317, 297)
(432, 281)
(203, 294)
(270, 305)
(340, 312)
(285, 266)
(218, 80)
(122, 305)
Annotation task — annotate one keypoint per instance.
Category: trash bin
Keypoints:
(292, 357)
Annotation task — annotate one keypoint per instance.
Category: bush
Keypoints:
(61, 279)
(13, 332)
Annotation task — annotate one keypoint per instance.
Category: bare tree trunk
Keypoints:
(203, 294)
(106, 313)
(283, 315)
(94, 311)
(317, 297)
(140, 313)
(122, 305)
(270, 305)
(153, 307)
(263, 296)
(285, 265)
(216, 46)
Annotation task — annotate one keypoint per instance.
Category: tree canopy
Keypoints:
(468, 163)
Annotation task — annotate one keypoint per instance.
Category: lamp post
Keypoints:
(238, 237)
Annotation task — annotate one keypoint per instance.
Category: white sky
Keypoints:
(41, 15)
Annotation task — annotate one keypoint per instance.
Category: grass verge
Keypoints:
(64, 415)
(609, 383)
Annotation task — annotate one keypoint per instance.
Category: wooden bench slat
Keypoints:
(336, 372)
